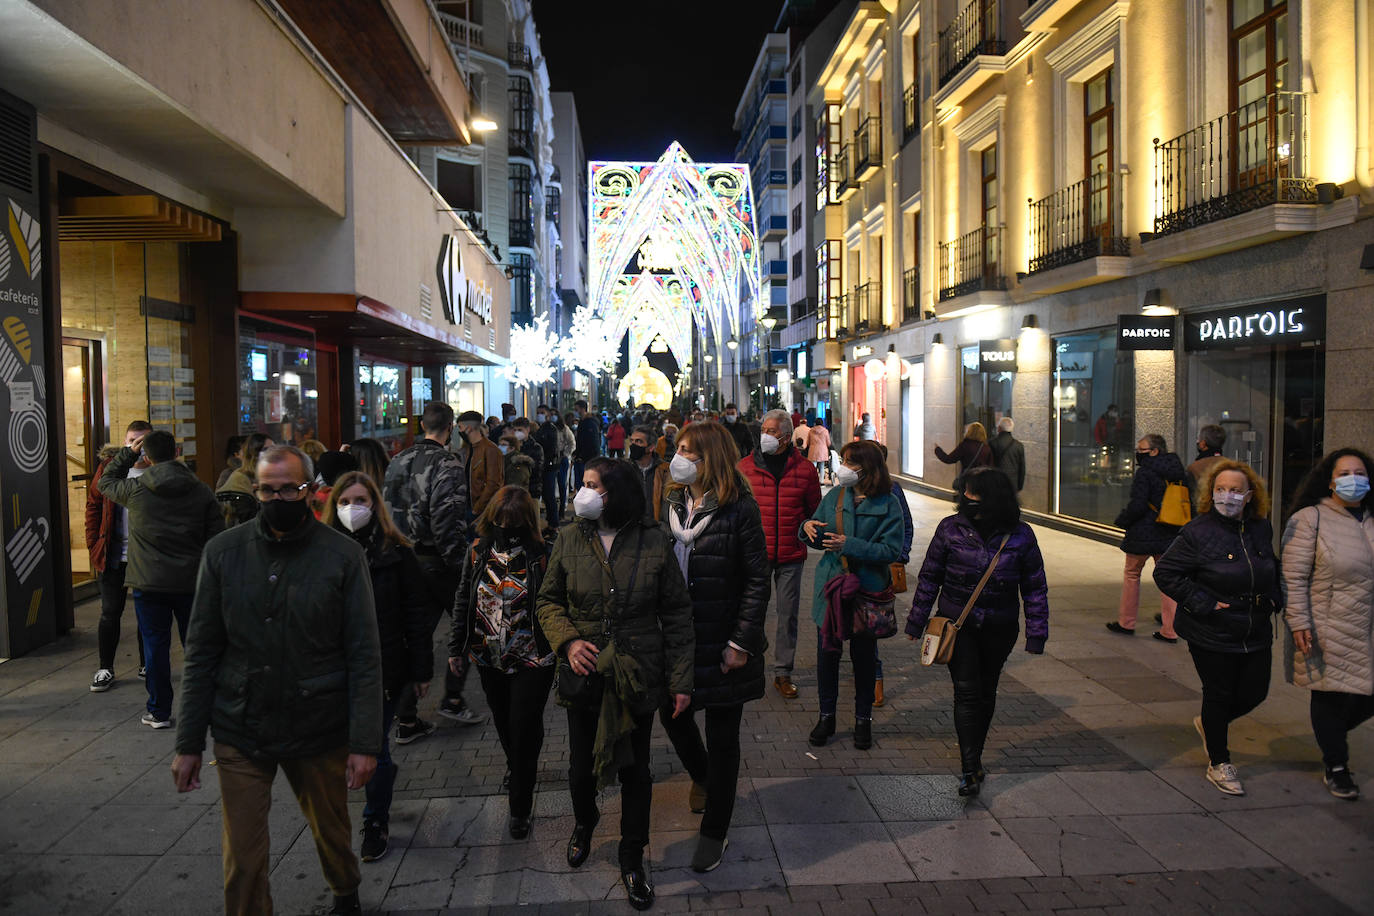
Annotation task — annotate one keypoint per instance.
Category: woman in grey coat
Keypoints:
(1328, 573)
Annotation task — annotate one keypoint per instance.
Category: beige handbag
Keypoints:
(937, 645)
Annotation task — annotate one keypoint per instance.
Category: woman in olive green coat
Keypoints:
(614, 607)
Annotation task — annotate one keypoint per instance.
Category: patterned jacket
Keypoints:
(426, 490)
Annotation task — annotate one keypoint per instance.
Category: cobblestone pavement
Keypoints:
(1095, 802)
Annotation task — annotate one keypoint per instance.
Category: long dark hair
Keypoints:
(1316, 486)
(1001, 508)
(874, 479)
(624, 492)
(511, 507)
(372, 458)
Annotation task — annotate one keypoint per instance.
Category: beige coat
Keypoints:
(818, 443)
(1328, 574)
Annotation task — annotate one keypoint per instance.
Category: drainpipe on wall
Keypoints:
(1364, 81)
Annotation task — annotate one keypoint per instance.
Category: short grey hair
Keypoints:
(1006, 424)
(1213, 436)
(1157, 441)
(784, 422)
(278, 454)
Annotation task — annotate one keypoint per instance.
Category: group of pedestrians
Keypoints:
(309, 625)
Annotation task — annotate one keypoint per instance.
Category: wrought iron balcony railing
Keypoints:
(518, 56)
(522, 232)
(971, 263)
(830, 318)
(520, 142)
(868, 148)
(910, 125)
(976, 30)
(553, 204)
(1246, 159)
(911, 294)
(1076, 223)
(842, 173)
(865, 308)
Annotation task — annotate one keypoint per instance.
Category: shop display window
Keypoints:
(913, 419)
(985, 396)
(277, 382)
(1094, 406)
(463, 389)
(381, 413)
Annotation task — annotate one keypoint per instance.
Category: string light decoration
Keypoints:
(674, 241)
(533, 350)
(589, 346)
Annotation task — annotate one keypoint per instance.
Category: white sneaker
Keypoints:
(103, 680)
(1225, 778)
(153, 721)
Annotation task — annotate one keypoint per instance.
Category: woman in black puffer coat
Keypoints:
(719, 542)
(404, 627)
(1224, 575)
(1147, 537)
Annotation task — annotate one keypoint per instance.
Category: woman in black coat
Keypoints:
(404, 628)
(1146, 537)
(1224, 575)
(719, 542)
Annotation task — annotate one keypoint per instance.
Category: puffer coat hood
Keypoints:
(1328, 577)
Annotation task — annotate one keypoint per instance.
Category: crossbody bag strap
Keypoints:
(987, 574)
(604, 560)
(839, 524)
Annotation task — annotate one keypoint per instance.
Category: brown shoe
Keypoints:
(878, 693)
(696, 798)
(785, 686)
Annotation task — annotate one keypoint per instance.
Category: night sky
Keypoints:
(647, 72)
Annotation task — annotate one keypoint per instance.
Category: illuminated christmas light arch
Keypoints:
(688, 230)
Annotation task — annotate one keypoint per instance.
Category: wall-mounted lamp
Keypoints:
(929, 316)
(510, 272)
(480, 123)
(892, 348)
(937, 340)
(1030, 322)
(1154, 298)
(1328, 192)
(1367, 259)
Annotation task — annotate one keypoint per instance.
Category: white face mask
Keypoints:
(520, 435)
(730, 417)
(541, 417)
(1229, 504)
(768, 444)
(681, 470)
(588, 504)
(846, 476)
(505, 449)
(355, 517)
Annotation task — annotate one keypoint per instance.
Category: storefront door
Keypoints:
(986, 396)
(866, 396)
(913, 420)
(83, 416)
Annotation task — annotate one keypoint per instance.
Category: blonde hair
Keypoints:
(1257, 507)
(976, 431)
(379, 509)
(314, 448)
(719, 459)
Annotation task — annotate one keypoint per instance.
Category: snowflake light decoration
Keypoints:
(532, 352)
(589, 346)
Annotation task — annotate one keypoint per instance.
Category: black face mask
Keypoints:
(285, 516)
(970, 509)
(637, 451)
(1141, 456)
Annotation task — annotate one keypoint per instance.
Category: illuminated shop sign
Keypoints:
(459, 292)
(1291, 321)
(997, 355)
(1145, 332)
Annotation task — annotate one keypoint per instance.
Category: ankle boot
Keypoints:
(969, 785)
(863, 734)
(825, 728)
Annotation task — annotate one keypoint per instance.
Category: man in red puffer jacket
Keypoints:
(788, 491)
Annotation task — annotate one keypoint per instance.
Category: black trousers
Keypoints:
(1333, 716)
(1233, 684)
(517, 708)
(636, 782)
(114, 598)
(443, 585)
(979, 654)
(713, 764)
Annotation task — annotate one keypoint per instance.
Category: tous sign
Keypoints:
(1290, 321)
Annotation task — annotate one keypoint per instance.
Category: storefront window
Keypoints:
(986, 396)
(383, 408)
(1094, 406)
(913, 419)
(463, 389)
(277, 389)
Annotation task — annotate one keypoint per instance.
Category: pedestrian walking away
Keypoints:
(788, 490)
(972, 452)
(718, 539)
(865, 430)
(1328, 577)
(871, 541)
(1146, 537)
(171, 517)
(495, 627)
(587, 435)
(1009, 454)
(284, 666)
(107, 543)
(1210, 441)
(615, 608)
(818, 449)
(404, 629)
(985, 538)
(1222, 571)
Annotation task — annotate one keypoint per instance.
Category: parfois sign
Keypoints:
(1145, 332)
(1290, 321)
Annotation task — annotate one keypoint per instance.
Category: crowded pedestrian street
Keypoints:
(1095, 800)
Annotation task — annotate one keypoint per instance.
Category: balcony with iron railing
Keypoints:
(972, 263)
(520, 142)
(975, 31)
(521, 231)
(1246, 159)
(830, 318)
(911, 294)
(553, 204)
(910, 124)
(842, 174)
(868, 148)
(518, 56)
(1076, 223)
(865, 308)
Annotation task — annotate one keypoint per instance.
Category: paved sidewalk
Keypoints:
(1095, 801)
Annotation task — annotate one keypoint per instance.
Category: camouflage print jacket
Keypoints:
(426, 490)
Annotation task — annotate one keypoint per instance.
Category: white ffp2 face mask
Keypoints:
(588, 504)
(769, 444)
(1229, 504)
(355, 517)
(682, 471)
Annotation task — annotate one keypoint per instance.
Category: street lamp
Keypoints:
(732, 343)
(769, 322)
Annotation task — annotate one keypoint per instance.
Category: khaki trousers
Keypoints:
(245, 787)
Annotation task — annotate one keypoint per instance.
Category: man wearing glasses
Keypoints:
(284, 665)
(171, 516)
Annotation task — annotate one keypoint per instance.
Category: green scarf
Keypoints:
(624, 686)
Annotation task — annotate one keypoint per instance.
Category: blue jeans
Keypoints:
(863, 651)
(156, 611)
(379, 788)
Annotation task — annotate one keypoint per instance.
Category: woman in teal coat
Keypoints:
(870, 544)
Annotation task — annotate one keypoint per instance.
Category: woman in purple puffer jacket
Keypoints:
(958, 555)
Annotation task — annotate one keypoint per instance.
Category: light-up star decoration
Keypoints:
(532, 352)
(588, 345)
(670, 243)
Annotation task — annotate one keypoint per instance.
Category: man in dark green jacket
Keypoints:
(171, 517)
(283, 663)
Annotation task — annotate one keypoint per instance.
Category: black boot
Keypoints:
(348, 905)
(580, 843)
(825, 728)
(863, 734)
(969, 784)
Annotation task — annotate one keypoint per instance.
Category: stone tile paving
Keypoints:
(1095, 801)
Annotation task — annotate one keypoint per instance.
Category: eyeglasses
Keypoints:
(289, 494)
